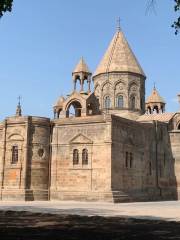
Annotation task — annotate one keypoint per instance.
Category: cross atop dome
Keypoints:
(18, 109)
(119, 24)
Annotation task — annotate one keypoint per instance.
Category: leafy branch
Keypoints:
(176, 23)
(5, 5)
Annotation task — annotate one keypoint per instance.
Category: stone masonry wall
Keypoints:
(150, 172)
(81, 182)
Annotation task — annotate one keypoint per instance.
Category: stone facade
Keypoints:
(24, 158)
(104, 145)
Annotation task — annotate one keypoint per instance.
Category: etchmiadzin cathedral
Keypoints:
(116, 147)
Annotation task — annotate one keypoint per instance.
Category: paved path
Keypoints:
(169, 211)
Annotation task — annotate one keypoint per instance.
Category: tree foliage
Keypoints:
(176, 23)
(5, 5)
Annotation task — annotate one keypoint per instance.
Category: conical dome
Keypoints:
(119, 57)
(59, 102)
(81, 67)
(155, 97)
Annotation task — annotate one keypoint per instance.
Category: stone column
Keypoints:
(82, 83)
(75, 85)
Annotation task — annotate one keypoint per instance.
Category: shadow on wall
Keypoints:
(143, 162)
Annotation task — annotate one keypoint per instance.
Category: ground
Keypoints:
(76, 220)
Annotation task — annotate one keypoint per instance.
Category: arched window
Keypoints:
(133, 103)
(119, 101)
(14, 154)
(84, 157)
(75, 157)
(107, 102)
(179, 126)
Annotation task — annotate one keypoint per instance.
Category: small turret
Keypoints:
(58, 107)
(155, 103)
(82, 73)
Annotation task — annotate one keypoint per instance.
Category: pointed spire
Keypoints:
(82, 73)
(18, 109)
(155, 97)
(119, 57)
(81, 67)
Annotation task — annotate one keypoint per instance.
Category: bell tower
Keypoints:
(81, 73)
(155, 104)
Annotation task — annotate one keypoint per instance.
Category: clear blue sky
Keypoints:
(41, 41)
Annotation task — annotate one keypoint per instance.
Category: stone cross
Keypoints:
(119, 24)
(19, 100)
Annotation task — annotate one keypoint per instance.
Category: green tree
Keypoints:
(5, 5)
(176, 23)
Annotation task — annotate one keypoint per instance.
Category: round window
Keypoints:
(41, 152)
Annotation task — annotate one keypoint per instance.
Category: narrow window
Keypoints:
(14, 154)
(150, 169)
(107, 102)
(179, 126)
(133, 103)
(131, 160)
(120, 101)
(75, 157)
(126, 160)
(85, 157)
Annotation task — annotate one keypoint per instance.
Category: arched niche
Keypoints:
(16, 137)
(119, 86)
(107, 87)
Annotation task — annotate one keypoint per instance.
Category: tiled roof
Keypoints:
(59, 101)
(81, 67)
(119, 57)
(164, 117)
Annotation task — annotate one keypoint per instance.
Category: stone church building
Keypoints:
(108, 144)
